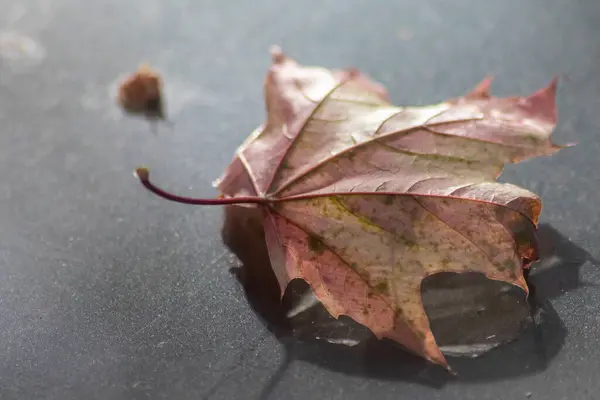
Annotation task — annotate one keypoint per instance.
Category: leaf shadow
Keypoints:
(313, 336)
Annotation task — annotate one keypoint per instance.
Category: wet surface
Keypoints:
(107, 292)
(469, 315)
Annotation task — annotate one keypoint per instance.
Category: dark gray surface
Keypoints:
(109, 293)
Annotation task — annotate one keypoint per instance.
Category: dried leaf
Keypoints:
(363, 199)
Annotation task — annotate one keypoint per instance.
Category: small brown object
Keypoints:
(141, 93)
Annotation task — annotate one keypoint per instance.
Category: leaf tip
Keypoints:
(437, 357)
(364, 81)
(567, 145)
(543, 102)
(521, 283)
(550, 90)
(277, 54)
(451, 371)
(482, 90)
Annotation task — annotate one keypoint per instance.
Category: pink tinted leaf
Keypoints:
(364, 199)
(345, 291)
(371, 198)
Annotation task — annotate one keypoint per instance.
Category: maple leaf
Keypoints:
(363, 199)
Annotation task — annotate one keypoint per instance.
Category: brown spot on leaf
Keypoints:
(388, 200)
(315, 244)
(382, 287)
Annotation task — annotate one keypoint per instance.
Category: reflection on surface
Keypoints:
(469, 315)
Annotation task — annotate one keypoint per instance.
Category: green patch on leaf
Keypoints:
(383, 288)
(410, 243)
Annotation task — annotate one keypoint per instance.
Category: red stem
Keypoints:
(144, 176)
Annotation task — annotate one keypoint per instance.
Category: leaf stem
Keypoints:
(144, 176)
